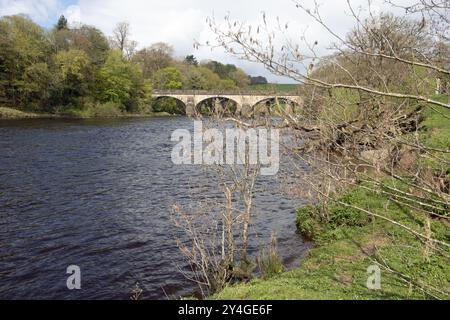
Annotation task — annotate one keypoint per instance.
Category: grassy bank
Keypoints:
(349, 241)
(75, 113)
(275, 87)
(346, 246)
(9, 113)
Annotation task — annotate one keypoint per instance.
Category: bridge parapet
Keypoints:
(225, 93)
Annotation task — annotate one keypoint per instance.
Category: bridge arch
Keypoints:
(294, 104)
(224, 102)
(181, 106)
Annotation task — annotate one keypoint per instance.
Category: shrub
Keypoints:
(308, 222)
(269, 261)
(312, 226)
(107, 110)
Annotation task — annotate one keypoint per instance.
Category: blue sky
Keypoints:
(53, 16)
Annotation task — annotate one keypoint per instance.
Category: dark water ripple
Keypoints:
(97, 194)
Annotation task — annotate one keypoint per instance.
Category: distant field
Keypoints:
(275, 87)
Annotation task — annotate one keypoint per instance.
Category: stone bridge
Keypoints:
(245, 101)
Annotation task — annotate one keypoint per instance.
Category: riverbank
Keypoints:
(14, 114)
(350, 241)
(345, 248)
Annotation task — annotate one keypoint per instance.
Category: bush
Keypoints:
(107, 110)
(308, 222)
(312, 226)
(269, 261)
(91, 109)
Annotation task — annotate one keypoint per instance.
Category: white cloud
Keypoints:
(73, 14)
(38, 10)
(179, 22)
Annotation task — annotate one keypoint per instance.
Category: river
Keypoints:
(98, 194)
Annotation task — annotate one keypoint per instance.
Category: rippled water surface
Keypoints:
(97, 194)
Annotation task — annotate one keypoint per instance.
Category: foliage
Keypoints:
(191, 60)
(71, 68)
(337, 267)
(269, 260)
(23, 44)
(258, 80)
(154, 58)
(169, 105)
(67, 68)
(374, 140)
(62, 23)
(121, 81)
(168, 79)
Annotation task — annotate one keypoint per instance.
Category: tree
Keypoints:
(222, 70)
(258, 80)
(191, 60)
(240, 79)
(71, 72)
(121, 81)
(62, 23)
(23, 44)
(200, 78)
(121, 39)
(193, 79)
(92, 41)
(231, 76)
(362, 126)
(156, 57)
(168, 79)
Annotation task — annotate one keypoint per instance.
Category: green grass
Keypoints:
(10, 113)
(436, 133)
(275, 87)
(107, 110)
(90, 110)
(348, 242)
(346, 247)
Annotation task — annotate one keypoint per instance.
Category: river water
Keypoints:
(98, 194)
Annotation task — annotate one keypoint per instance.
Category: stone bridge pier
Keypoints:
(245, 102)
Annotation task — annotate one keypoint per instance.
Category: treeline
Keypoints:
(79, 69)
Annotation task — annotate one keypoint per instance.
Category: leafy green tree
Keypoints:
(122, 82)
(92, 41)
(227, 84)
(62, 23)
(114, 81)
(230, 76)
(195, 79)
(191, 60)
(61, 39)
(22, 45)
(240, 78)
(154, 58)
(36, 90)
(168, 79)
(258, 80)
(72, 66)
(222, 70)
(76, 67)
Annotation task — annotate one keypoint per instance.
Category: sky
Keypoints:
(182, 22)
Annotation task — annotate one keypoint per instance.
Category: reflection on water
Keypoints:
(97, 193)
